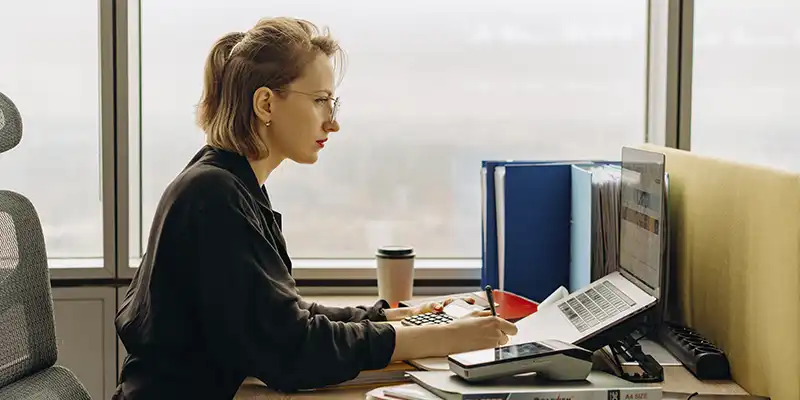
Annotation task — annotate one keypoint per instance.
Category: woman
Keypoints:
(213, 301)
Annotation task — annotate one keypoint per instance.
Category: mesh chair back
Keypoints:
(28, 342)
(10, 124)
(27, 327)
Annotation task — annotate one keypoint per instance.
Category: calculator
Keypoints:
(428, 319)
(452, 311)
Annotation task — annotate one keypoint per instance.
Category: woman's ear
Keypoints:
(263, 99)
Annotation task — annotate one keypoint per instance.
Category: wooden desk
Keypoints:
(676, 378)
(253, 392)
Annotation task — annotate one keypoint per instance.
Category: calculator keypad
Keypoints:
(428, 319)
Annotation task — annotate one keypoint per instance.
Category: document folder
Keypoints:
(526, 225)
(582, 240)
(595, 223)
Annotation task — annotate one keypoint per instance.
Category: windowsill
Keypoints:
(75, 263)
(365, 269)
(341, 269)
(357, 277)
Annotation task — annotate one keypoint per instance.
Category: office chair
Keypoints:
(28, 350)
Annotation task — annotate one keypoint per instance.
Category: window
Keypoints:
(745, 87)
(431, 89)
(50, 69)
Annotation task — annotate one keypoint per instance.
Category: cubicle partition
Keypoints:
(735, 248)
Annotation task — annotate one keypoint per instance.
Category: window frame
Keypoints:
(667, 120)
(104, 267)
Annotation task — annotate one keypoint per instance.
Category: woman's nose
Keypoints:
(331, 126)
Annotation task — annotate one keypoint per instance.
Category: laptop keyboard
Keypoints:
(595, 305)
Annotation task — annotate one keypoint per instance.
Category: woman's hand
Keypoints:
(479, 330)
(396, 314)
(437, 307)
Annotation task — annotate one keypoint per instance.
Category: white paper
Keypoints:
(431, 364)
(500, 210)
(557, 295)
(459, 308)
(410, 391)
(484, 222)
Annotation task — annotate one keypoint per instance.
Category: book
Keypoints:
(409, 391)
(597, 386)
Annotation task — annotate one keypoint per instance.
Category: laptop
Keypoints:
(635, 287)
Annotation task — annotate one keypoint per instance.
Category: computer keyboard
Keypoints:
(595, 305)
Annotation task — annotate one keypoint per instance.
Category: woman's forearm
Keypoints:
(397, 314)
(412, 342)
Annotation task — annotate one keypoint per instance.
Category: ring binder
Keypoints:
(526, 225)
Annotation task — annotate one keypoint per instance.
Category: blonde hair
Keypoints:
(273, 54)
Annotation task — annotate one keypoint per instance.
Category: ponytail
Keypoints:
(213, 75)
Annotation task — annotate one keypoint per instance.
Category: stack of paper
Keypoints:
(595, 223)
(605, 219)
(408, 391)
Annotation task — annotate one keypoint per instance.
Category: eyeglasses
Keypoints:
(332, 102)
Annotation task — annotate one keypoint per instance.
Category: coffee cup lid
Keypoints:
(396, 251)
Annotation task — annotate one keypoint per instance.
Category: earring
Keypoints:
(268, 123)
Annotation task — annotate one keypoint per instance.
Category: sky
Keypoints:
(431, 88)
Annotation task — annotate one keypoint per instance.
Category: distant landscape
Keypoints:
(430, 89)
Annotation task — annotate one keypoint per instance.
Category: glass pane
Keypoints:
(431, 89)
(746, 90)
(50, 69)
(134, 135)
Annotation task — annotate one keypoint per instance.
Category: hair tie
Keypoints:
(238, 42)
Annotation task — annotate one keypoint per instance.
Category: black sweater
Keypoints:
(214, 301)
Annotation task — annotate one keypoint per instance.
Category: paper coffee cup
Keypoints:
(395, 273)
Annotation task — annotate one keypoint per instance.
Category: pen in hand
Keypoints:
(490, 299)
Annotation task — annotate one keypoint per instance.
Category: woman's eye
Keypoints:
(323, 100)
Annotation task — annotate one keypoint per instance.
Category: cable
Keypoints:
(692, 395)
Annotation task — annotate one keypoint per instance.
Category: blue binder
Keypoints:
(527, 237)
(489, 260)
(489, 267)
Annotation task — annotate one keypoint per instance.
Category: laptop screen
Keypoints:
(641, 218)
